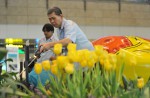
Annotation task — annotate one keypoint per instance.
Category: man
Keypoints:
(67, 31)
(48, 30)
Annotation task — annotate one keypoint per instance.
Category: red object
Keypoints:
(113, 43)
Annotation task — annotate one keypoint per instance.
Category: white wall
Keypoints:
(92, 32)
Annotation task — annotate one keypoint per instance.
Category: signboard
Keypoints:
(13, 54)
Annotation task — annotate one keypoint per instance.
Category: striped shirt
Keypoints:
(46, 55)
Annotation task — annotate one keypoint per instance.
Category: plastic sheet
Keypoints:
(136, 51)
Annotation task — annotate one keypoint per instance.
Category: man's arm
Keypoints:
(49, 45)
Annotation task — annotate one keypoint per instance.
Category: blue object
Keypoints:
(43, 77)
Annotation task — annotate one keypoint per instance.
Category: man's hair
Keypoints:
(48, 27)
(57, 11)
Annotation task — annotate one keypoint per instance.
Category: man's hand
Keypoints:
(45, 46)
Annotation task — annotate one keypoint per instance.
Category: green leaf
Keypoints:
(121, 73)
(6, 90)
(125, 82)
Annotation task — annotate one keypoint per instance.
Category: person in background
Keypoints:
(48, 30)
(67, 31)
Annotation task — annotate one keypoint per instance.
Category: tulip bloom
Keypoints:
(71, 47)
(98, 49)
(38, 68)
(62, 61)
(46, 65)
(83, 63)
(107, 65)
(69, 68)
(57, 49)
(140, 83)
(112, 58)
(54, 69)
(91, 63)
(93, 54)
(73, 56)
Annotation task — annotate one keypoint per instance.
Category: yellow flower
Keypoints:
(140, 83)
(93, 54)
(57, 49)
(80, 55)
(38, 68)
(87, 54)
(46, 65)
(73, 56)
(54, 69)
(107, 65)
(71, 47)
(91, 63)
(122, 54)
(112, 58)
(104, 53)
(103, 57)
(62, 61)
(83, 63)
(101, 60)
(98, 49)
(48, 92)
(69, 68)
(54, 62)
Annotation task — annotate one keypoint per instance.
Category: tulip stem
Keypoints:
(149, 91)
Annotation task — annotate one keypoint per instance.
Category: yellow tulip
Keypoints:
(62, 61)
(80, 55)
(54, 69)
(69, 68)
(93, 55)
(48, 92)
(122, 54)
(71, 47)
(140, 83)
(91, 63)
(98, 49)
(73, 56)
(83, 63)
(86, 54)
(104, 53)
(38, 68)
(57, 49)
(54, 62)
(107, 65)
(101, 60)
(112, 58)
(103, 57)
(46, 65)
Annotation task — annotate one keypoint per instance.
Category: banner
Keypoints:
(13, 54)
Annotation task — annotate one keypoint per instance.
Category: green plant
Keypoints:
(9, 82)
(102, 80)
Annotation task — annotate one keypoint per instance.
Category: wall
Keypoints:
(92, 32)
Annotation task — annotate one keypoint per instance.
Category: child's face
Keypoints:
(48, 34)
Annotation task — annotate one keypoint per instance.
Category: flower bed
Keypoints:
(84, 74)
